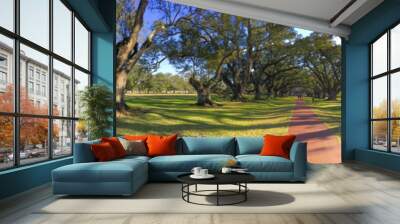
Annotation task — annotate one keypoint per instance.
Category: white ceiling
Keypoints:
(315, 15)
(321, 9)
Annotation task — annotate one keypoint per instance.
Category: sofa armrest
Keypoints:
(298, 155)
(83, 152)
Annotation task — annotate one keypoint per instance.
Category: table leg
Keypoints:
(188, 189)
(245, 193)
(195, 188)
(217, 194)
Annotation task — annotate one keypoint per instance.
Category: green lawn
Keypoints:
(165, 114)
(329, 112)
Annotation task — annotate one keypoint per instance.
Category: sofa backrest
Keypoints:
(249, 145)
(206, 145)
(83, 152)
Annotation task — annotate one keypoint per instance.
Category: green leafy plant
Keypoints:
(97, 104)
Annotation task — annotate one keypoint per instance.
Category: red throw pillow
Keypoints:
(161, 145)
(135, 137)
(103, 151)
(277, 145)
(116, 145)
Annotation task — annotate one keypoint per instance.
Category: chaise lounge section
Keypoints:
(125, 176)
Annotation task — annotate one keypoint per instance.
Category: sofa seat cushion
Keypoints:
(112, 171)
(185, 163)
(133, 157)
(257, 163)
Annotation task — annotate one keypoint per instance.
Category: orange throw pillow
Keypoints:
(161, 145)
(277, 145)
(116, 145)
(135, 137)
(103, 152)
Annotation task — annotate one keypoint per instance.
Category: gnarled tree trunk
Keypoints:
(332, 95)
(257, 91)
(203, 92)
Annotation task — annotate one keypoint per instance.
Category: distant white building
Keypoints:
(35, 79)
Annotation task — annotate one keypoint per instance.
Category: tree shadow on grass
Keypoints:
(166, 114)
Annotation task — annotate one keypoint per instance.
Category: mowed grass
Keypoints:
(166, 114)
(328, 112)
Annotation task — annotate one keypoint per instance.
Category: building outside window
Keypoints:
(3, 72)
(34, 74)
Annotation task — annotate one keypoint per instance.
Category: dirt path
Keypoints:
(323, 146)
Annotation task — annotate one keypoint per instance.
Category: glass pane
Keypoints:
(6, 74)
(379, 135)
(62, 138)
(81, 131)
(7, 14)
(33, 139)
(395, 95)
(395, 47)
(35, 21)
(62, 89)
(379, 55)
(34, 92)
(379, 97)
(81, 82)
(62, 29)
(6, 142)
(395, 136)
(81, 45)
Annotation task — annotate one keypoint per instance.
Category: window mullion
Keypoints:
(50, 81)
(73, 81)
(389, 104)
(16, 84)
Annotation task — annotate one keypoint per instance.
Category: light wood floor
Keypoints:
(378, 189)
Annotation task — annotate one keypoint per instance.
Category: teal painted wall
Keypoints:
(24, 178)
(99, 15)
(355, 123)
(103, 52)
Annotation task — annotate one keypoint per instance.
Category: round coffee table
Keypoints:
(238, 179)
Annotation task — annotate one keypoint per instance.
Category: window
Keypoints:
(385, 94)
(81, 45)
(30, 88)
(38, 75)
(62, 29)
(3, 78)
(37, 89)
(35, 21)
(7, 14)
(44, 91)
(62, 137)
(3, 61)
(81, 82)
(30, 73)
(6, 74)
(3, 72)
(6, 142)
(49, 80)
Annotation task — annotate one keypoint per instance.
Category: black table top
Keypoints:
(220, 178)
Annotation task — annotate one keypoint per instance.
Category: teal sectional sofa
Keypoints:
(125, 176)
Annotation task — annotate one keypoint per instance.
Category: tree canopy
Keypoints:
(213, 51)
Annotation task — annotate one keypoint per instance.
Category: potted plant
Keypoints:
(97, 104)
